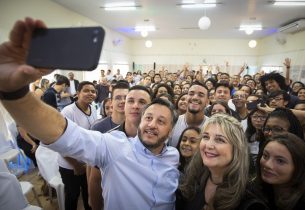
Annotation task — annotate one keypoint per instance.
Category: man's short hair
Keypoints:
(121, 84)
(168, 104)
(61, 79)
(200, 84)
(286, 96)
(82, 84)
(141, 87)
(223, 84)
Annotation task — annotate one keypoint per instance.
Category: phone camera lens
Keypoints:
(96, 31)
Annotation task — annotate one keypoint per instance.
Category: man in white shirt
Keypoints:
(197, 99)
(73, 172)
(139, 173)
(73, 84)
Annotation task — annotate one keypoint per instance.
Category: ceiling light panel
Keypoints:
(198, 4)
(289, 3)
(253, 27)
(119, 6)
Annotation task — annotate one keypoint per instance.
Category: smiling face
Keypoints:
(197, 99)
(272, 85)
(87, 94)
(177, 89)
(215, 149)
(301, 94)
(155, 127)
(276, 164)
(239, 99)
(161, 90)
(189, 143)
(182, 103)
(223, 93)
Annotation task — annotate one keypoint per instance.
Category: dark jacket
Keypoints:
(250, 201)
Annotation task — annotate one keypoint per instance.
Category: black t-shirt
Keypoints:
(50, 97)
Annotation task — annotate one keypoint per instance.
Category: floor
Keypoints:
(33, 177)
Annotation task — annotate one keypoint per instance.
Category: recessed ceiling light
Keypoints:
(288, 3)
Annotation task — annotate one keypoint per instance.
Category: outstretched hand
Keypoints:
(14, 73)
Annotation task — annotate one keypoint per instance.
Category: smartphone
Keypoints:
(253, 105)
(66, 48)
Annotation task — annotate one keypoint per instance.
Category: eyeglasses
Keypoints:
(258, 117)
(276, 99)
(274, 129)
(239, 97)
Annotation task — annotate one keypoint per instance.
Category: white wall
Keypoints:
(171, 53)
(272, 53)
(174, 53)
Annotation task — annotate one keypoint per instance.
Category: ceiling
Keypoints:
(172, 21)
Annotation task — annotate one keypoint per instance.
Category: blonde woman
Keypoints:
(43, 86)
(217, 176)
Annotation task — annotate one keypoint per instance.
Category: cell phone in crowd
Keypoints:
(66, 48)
(253, 105)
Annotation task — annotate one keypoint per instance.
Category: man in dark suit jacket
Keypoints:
(73, 85)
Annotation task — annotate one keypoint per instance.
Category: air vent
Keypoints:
(293, 27)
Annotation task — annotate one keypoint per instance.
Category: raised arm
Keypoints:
(40, 120)
(287, 64)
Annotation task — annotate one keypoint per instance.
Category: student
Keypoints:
(281, 172)
(282, 120)
(181, 104)
(254, 135)
(142, 173)
(273, 81)
(118, 97)
(197, 99)
(72, 171)
(217, 175)
(187, 146)
(219, 106)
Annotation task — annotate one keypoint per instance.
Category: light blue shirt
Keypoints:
(133, 177)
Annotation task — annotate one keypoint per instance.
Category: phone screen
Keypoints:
(66, 48)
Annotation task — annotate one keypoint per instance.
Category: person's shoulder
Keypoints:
(180, 119)
(253, 199)
(98, 124)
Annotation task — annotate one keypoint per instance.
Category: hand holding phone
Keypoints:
(253, 105)
(66, 48)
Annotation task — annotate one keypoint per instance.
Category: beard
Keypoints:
(152, 146)
(193, 111)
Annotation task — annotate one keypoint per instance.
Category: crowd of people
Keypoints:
(165, 140)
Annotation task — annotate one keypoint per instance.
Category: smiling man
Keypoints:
(197, 99)
(136, 100)
(73, 172)
(137, 175)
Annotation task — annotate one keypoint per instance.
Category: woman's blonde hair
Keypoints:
(229, 193)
